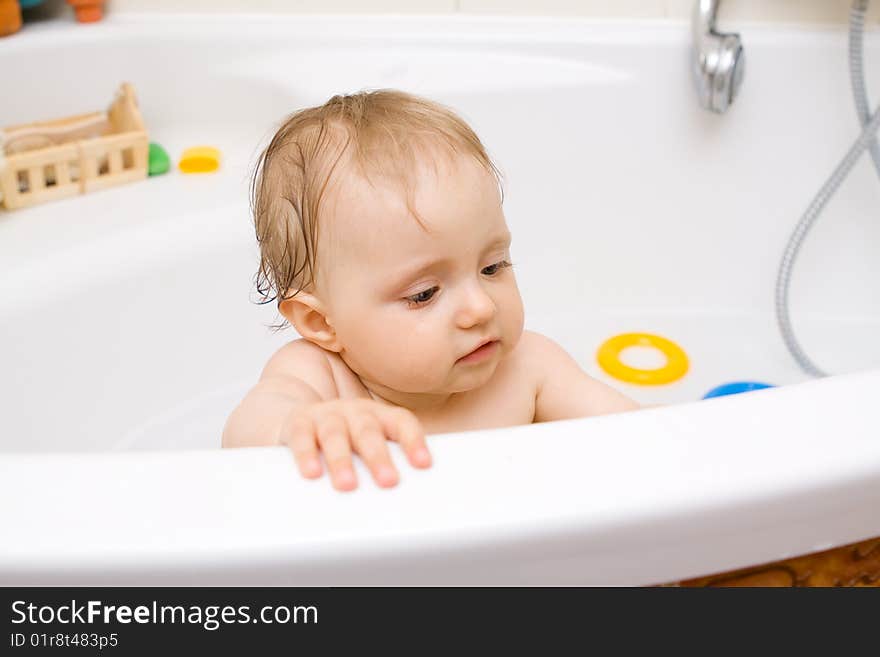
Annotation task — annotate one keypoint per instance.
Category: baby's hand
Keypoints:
(342, 426)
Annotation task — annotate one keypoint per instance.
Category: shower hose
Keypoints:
(870, 123)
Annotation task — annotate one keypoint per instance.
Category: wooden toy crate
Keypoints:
(49, 160)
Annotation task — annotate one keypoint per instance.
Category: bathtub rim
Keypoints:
(785, 516)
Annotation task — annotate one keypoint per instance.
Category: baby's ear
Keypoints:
(305, 312)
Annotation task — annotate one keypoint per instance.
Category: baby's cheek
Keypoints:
(513, 313)
(417, 357)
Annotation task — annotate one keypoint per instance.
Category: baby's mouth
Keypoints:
(480, 353)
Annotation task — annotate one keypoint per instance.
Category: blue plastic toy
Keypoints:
(736, 387)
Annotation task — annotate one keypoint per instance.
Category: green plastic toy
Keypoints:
(158, 160)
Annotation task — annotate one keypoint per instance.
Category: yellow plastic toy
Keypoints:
(199, 159)
(609, 359)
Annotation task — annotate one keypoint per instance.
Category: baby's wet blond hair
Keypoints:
(384, 133)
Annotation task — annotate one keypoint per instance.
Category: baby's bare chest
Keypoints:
(507, 400)
(504, 402)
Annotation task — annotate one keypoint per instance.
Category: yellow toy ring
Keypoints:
(609, 359)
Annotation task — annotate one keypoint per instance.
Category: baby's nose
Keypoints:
(476, 306)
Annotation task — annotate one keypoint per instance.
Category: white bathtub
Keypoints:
(127, 330)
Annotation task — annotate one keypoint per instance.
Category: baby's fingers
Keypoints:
(334, 442)
(370, 443)
(298, 433)
(403, 427)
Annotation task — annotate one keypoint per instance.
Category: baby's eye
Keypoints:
(422, 297)
(494, 268)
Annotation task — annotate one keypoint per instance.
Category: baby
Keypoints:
(384, 242)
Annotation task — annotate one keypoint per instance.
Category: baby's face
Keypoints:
(407, 304)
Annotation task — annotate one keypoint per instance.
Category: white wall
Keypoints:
(793, 11)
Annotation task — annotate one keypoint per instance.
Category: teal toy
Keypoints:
(158, 161)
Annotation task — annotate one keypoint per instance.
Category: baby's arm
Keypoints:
(565, 391)
(295, 376)
(295, 403)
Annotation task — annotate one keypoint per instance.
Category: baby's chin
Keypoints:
(470, 381)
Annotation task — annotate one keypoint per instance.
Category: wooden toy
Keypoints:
(48, 160)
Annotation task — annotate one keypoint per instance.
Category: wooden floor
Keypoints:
(851, 565)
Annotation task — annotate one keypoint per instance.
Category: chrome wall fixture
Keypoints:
(718, 60)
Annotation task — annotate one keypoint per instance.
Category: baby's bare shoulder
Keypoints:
(536, 354)
(306, 361)
(535, 347)
(526, 361)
